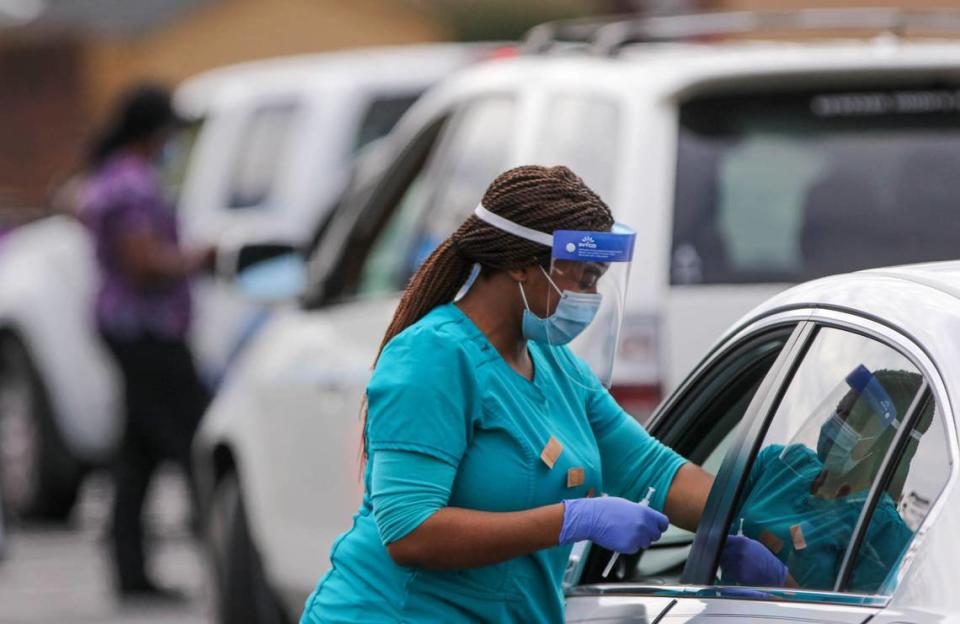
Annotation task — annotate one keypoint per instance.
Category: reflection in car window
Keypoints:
(791, 187)
(468, 158)
(702, 427)
(582, 133)
(810, 480)
(919, 477)
(259, 155)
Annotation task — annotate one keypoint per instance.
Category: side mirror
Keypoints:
(265, 272)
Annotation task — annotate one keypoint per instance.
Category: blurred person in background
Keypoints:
(143, 313)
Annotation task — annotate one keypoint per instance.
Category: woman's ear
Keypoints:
(519, 275)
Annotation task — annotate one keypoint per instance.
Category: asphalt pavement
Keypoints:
(62, 573)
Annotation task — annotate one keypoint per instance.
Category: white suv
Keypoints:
(744, 166)
(267, 157)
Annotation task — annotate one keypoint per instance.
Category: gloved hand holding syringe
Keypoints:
(613, 560)
(615, 523)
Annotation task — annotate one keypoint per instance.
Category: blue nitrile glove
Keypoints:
(614, 523)
(748, 562)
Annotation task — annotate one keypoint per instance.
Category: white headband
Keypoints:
(513, 228)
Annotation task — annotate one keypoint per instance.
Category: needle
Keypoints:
(646, 503)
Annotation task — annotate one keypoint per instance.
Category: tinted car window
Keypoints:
(380, 117)
(381, 179)
(824, 448)
(582, 133)
(793, 187)
(258, 157)
(473, 151)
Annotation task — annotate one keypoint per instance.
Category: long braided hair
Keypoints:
(541, 198)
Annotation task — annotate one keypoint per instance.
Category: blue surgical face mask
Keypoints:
(575, 311)
(836, 435)
(836, 443)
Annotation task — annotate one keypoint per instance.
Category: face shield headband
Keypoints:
(587, 279)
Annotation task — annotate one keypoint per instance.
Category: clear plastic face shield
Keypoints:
(852, 429)
(582, 304)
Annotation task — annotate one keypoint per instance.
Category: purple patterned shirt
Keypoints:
(123, 196)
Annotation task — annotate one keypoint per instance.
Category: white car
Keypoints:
(882, 553)
(744, 166)
(266, 157)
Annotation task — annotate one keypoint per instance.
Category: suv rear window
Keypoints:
(786, 188)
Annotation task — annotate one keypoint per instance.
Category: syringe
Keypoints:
(613, 560)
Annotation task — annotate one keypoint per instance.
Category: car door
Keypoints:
(700, 421)
(845, 551)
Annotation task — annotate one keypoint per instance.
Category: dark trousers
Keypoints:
(164, 399)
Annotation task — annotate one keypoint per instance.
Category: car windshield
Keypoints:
(786, 188)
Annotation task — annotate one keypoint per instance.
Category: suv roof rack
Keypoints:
(548, 35)
(606, 36)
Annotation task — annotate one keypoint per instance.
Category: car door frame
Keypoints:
(660, 425)
(696, 579)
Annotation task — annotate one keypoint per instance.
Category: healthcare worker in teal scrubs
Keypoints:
(489, 435)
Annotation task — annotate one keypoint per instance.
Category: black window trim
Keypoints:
(658, 421)
(885, 474)
(718, 512)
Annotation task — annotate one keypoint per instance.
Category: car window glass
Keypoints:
(809, 482)
(381, 273)
(380, 117)
(582, 133)
(701, 427)
(476, 153)
(791, 187)
(470, 155)
(919, 476)
(176, 158)
(259, 155)
(383, 180)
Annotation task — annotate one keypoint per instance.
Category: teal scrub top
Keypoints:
(811, 534)
(441, 390)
